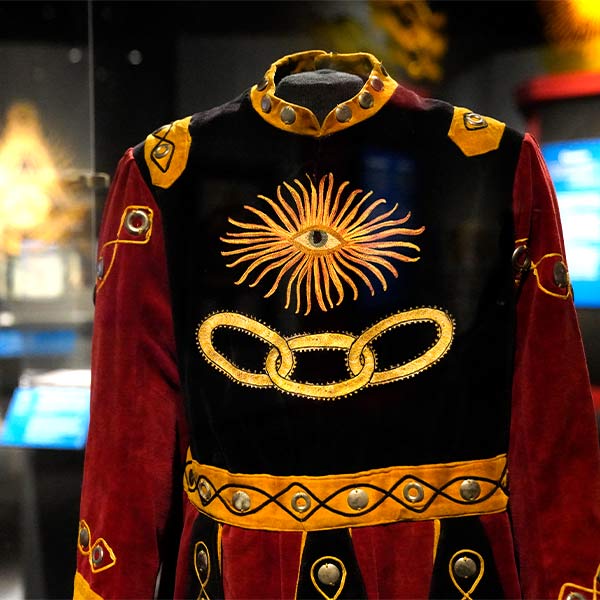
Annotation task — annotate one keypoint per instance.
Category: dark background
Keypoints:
(130, 100)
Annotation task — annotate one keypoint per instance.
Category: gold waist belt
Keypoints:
(376, 497)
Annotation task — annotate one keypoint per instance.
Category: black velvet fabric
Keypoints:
(319, 90)
(329, 547)
(456, 410)
(462, 537)
(211, 587)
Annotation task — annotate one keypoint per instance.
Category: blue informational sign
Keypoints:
(15, 343)
(574, 166)
(53, 417)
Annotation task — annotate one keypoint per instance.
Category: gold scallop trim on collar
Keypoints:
(375, 93)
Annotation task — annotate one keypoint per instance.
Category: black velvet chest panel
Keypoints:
(341, 303)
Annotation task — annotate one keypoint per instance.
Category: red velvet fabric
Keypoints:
(185, 579)
(396, 561)
(138, 430)
(260, 564)
(554, 457)
(497, 529)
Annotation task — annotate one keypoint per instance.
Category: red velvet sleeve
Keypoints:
(137, 436)
(554, 458)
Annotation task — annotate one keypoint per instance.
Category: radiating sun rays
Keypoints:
(318, 244)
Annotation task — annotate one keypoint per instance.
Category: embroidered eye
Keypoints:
(317, 243)
(318, 239)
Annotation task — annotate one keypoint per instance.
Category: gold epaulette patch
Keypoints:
(166, 152)
(475, 134)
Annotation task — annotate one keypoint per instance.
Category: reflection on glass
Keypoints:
(41, 212)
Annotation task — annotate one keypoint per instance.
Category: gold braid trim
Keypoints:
(376, 497)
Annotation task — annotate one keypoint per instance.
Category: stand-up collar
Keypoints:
(374, 94)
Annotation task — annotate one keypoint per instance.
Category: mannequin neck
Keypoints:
(320, 91)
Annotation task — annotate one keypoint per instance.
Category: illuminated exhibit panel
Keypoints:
(575, 170)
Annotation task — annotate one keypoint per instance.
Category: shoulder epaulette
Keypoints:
(473, 133)
(166, 152)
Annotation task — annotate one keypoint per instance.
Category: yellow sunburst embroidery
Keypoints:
(319, 242)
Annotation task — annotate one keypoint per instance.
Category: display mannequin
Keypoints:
(341, 315)
(319, 90)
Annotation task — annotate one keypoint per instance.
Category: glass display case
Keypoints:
(49, 197)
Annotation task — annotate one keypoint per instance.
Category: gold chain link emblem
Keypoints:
(280, 361)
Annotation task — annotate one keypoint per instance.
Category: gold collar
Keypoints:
(376, 91)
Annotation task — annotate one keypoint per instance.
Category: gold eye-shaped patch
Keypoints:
(317, 241)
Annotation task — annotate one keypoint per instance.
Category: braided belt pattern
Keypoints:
(287, 503)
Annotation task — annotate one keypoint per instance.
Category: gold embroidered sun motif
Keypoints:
(318, 244)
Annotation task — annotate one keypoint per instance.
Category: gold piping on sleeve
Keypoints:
(534, 268)
(567, 588)
(117, 241)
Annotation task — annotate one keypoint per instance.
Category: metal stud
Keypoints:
(205, 490)
(241, 501)
(366, 100)
(137, 222)
(262, 84)
(576, 596)
(84, 537)
(329, 574)
(343, 113)
(470, 490)
(413, 492)
(358, 499)
(301, 502)
(100, 268)
(266, 104)
(561, 274)
(376, 83)
(161, 150)
(464, 567)
(520, 259)
(97, 555)
(202, 562)
(474, 121)
(288, 115)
